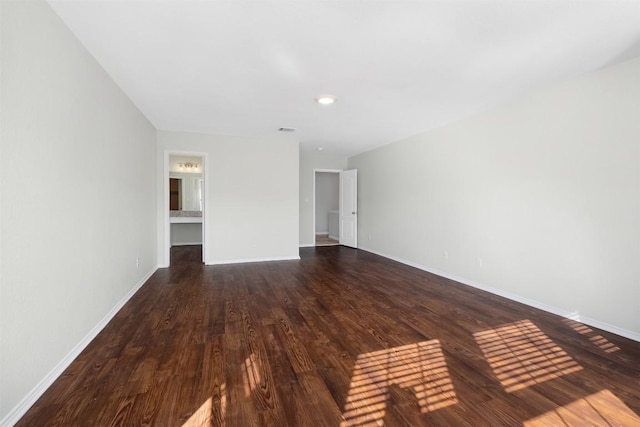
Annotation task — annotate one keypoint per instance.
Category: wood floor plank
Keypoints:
(341, 337)
(296, 351)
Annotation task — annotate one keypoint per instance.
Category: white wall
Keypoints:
(539, 199)
(78, 214)
(251, 195)
(308, 163)
(327, 190)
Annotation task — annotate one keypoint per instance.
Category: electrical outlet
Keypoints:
(445, 254)
(480, 262)
(137, 262)
(369, 236)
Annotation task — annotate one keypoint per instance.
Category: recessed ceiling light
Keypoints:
(320, 148)
(326, 99)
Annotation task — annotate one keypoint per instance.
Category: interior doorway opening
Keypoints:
(184, 183)
(326, 224)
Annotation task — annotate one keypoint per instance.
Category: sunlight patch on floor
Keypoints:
(202, 417)
(600, 341)
(212, 412)
(599, 409)
(251, 375)
(418, 367)
(521, 355)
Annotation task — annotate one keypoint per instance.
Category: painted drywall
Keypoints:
(75, 218)
(327, 191)
(539, 198)
(309, 162)
(251, 195)
(4, 413)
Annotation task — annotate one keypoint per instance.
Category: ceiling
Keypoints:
(247, 68)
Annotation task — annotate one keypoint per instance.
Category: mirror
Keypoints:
(185, 183)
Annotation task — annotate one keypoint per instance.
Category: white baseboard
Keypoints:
(334, 237)
(239, 261)
(607, 327)
(322, 233)
(307, 245)
(27, 402)
(515, 297)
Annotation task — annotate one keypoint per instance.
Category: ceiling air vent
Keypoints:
(287, 130)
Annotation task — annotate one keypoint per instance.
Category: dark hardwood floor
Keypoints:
(340, 338)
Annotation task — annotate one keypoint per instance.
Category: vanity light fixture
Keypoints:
(326, 99)
(190, 167)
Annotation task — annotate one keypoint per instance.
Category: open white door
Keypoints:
(349, 208)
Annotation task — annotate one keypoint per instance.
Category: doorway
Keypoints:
(326, 224)
(185, 201)
(335, 198)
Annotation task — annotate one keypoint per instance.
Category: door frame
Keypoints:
(205, 207)
(313, 207)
